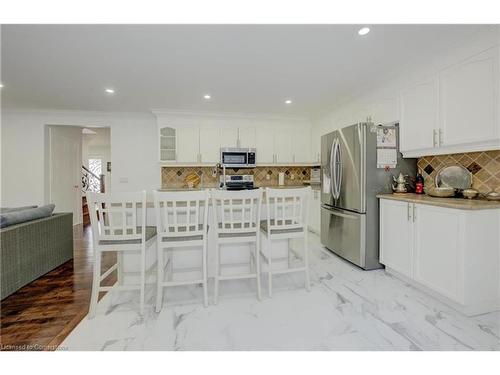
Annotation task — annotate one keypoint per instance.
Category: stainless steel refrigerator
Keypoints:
(350, 181)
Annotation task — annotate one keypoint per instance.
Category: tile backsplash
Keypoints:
(174, 177)
(484, 166)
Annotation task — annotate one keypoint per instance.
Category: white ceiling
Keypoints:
(246, 68)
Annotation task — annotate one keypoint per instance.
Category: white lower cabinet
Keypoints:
(452, 254)
(438, 250)
(396, 236)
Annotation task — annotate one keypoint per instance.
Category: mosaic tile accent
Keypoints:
(484, 166)
(174, 177)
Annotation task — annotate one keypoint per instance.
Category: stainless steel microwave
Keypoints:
(231, 157)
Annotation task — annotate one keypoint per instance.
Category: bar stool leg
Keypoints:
(216, 278)
(257, 268)
(96, 283)
(269, 261)
(205, 277)
(306, 261)
(143, 277)
(159, 277)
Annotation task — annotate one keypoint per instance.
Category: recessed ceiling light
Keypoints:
(1, 85)
(288, 101)
(109, 91)
(207, 97)
(364, 31)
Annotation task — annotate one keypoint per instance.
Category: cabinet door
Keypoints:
(438, 250)
(188, 144)
(301, 143)
(419, 116)
(210, 144)
(247, 137)
(468, 96)
(396, 236)
(167, 143)
(316, 146)
(265, 145)
(283, 149)
(228, 137)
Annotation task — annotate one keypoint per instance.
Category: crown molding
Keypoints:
(159, 112)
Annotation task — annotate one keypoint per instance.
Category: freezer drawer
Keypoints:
(344, 233)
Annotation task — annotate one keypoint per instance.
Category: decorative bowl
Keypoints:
(493, 196)
(440, 192)
(470, 193)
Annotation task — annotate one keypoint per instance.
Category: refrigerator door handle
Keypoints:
(339, 169)
(332, 170)
(344, 215)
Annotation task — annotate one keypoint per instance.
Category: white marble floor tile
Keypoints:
(346, 309)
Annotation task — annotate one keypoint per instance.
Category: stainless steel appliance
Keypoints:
(350, 181)
(231, 157)
(237, 182)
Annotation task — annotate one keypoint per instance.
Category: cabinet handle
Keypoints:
(440, 137)
(414, 213)
(434, 140)
(408, 211)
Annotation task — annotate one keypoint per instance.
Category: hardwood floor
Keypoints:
(41, 314)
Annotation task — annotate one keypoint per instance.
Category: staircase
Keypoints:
(85, 211)
(93, 183)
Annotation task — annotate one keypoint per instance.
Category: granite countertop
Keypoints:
(458, 203)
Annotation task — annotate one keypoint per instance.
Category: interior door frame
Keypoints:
(48, 191)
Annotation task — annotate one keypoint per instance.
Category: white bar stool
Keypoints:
(181, 222)
(114, 221)
(236, 220)
(287, 218)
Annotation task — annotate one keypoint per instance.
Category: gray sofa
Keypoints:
(31, 249)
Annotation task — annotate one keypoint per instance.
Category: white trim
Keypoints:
(240, 115)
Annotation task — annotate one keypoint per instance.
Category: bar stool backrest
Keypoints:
(236, 211)
(287, 208)
(181, 214)
(117, 216)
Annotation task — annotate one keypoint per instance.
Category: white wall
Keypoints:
(382, 103)
(133, 145)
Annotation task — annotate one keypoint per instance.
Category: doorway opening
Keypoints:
(78, 161)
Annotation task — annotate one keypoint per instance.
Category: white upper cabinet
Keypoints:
(458, 111)
(283, 149)
(228, 136)
(276, 141)
(419, 116)
(188, 144)
(264, 137)
(167, 143)
(301, 145)
(247, 137)
(210, 144)
(468, 96)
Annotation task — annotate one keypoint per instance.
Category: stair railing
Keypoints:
(92, 182)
